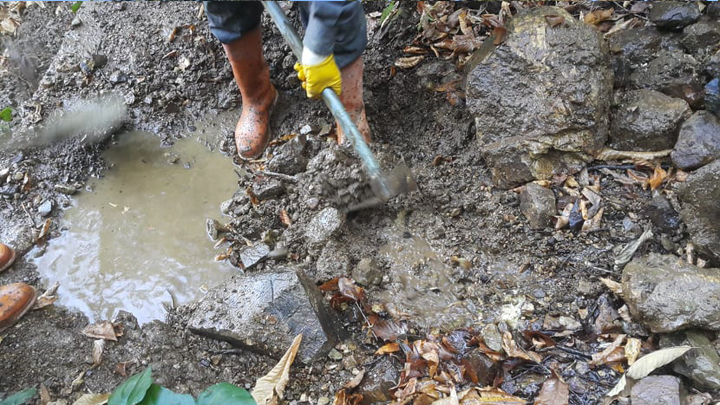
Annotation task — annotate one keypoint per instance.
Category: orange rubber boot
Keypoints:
(252, 75)
(15, 300)
(7, 257)
(352, 99)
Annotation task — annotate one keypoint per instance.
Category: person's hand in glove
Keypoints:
(318, 72)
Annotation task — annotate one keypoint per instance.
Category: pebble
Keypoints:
(312, 203)
(4, 172)
(76, 22)
(18, 176)
(45, 208)
(65, 189)
(335, 355)
(117, 77)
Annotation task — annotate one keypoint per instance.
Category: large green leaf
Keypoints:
(132, 391)
(76, 6)
(158, 395)
(20, 397)
(225, 394)
(6, 114)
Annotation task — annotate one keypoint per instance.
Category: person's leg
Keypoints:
(352, 99)
(237, 26)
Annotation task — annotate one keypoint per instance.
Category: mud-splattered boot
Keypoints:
(15, 300)
(7, 257)
(352, 99)
(252, 75)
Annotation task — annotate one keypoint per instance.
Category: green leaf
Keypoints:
(76, 6)
(132, 391)
(6, 114)
(20, 397)
(225, 394)
(158, 395)
(387, 11)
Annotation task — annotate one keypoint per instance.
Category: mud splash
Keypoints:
(137, 240)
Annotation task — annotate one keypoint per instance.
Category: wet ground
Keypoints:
(456, 253)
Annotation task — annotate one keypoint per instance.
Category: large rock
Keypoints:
(672, 72)
(657, 390)
(538, 205)
(667, 294)
(647, 120)
(674, 15)
(541, 98)
(702, 364)
(703, 34)
(700, 196)
(698, 142)
(713, 65)
(264, 312)
(379, 380)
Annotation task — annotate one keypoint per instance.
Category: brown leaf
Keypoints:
(499, 34)
(554, 391)
(407, 390)
(282, 139)
(48, 297)
(330, 285)
(97, 353)
(415, 50)
(632, 350)
(657, 178)
(173, 34)
(409, 62)
(598, 16)
(349, 289)
(271, 387)
(121, 368)
(606, 355)
(253, 198)
(512, 350)
(101, 330)
(285, 217)
(44, 394)
(538, 339)
(388, 348)
(385, 329)
(554, 20)
(489, 396)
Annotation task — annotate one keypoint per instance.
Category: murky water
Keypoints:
(139, 237)
(421, 288)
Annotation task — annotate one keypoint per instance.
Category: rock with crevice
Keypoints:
(698, 141)
(242, 310)
(672, 72)
(541, 98)
(656, 290)
(537, 203)
(674, 15)
(324, 225)
(701, 364)
(700, 197)
(290, 158)
(657, 390)
(647, 120)
(703, 34)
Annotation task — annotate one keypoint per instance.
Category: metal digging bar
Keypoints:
(383, 187)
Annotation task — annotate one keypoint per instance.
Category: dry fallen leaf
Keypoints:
(44, 394)
(415, 50)
(409, 62)
(632, 350)
(270, 388)
(101, 330)
(343, 397)
(48, 297)
(604, 356)
(388, 348)
(348, 288)
(598, 16)
(613, 286)
(489, 396)
(512, 350)
(98, 347)
(554, 391)
(555, 20)
(92, 399)
(285, 217)
(647, 364)
(500, 34)
(657, 178)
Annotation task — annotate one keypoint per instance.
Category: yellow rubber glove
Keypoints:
(315, 78)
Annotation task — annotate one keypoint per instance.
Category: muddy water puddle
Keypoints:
(137, 240)
(422, 288)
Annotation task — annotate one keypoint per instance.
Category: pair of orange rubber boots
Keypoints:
(15, 299)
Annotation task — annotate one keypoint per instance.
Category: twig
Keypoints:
(574, 352)
(28, 214)
(280, 176)
(367, 321)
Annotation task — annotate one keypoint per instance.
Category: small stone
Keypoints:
(323, 401)
(171, 157)
(324, 225)
(379, 380)
(656, 290)
(45, 208)
(702, 364)
(335, 355)
(657, 390)
(367, 272)
(492, 337)
(308, 129)
(129, 98)
(712, 96)
(561, 323)
(674, 15)
(148, 100)
(254, 254)
(537, 203)
(266, 188)
(76, 22)
(349, 362)
(226, 206)
(18, 176)
(483, 367)
(4, 173)
(117, 77)
(290, 158)
(48, 81)
(65, 189)
(312, 203)
(662, 215)
(213, 229)
(702, 35)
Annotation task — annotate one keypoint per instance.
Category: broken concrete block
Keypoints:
(264, 312)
